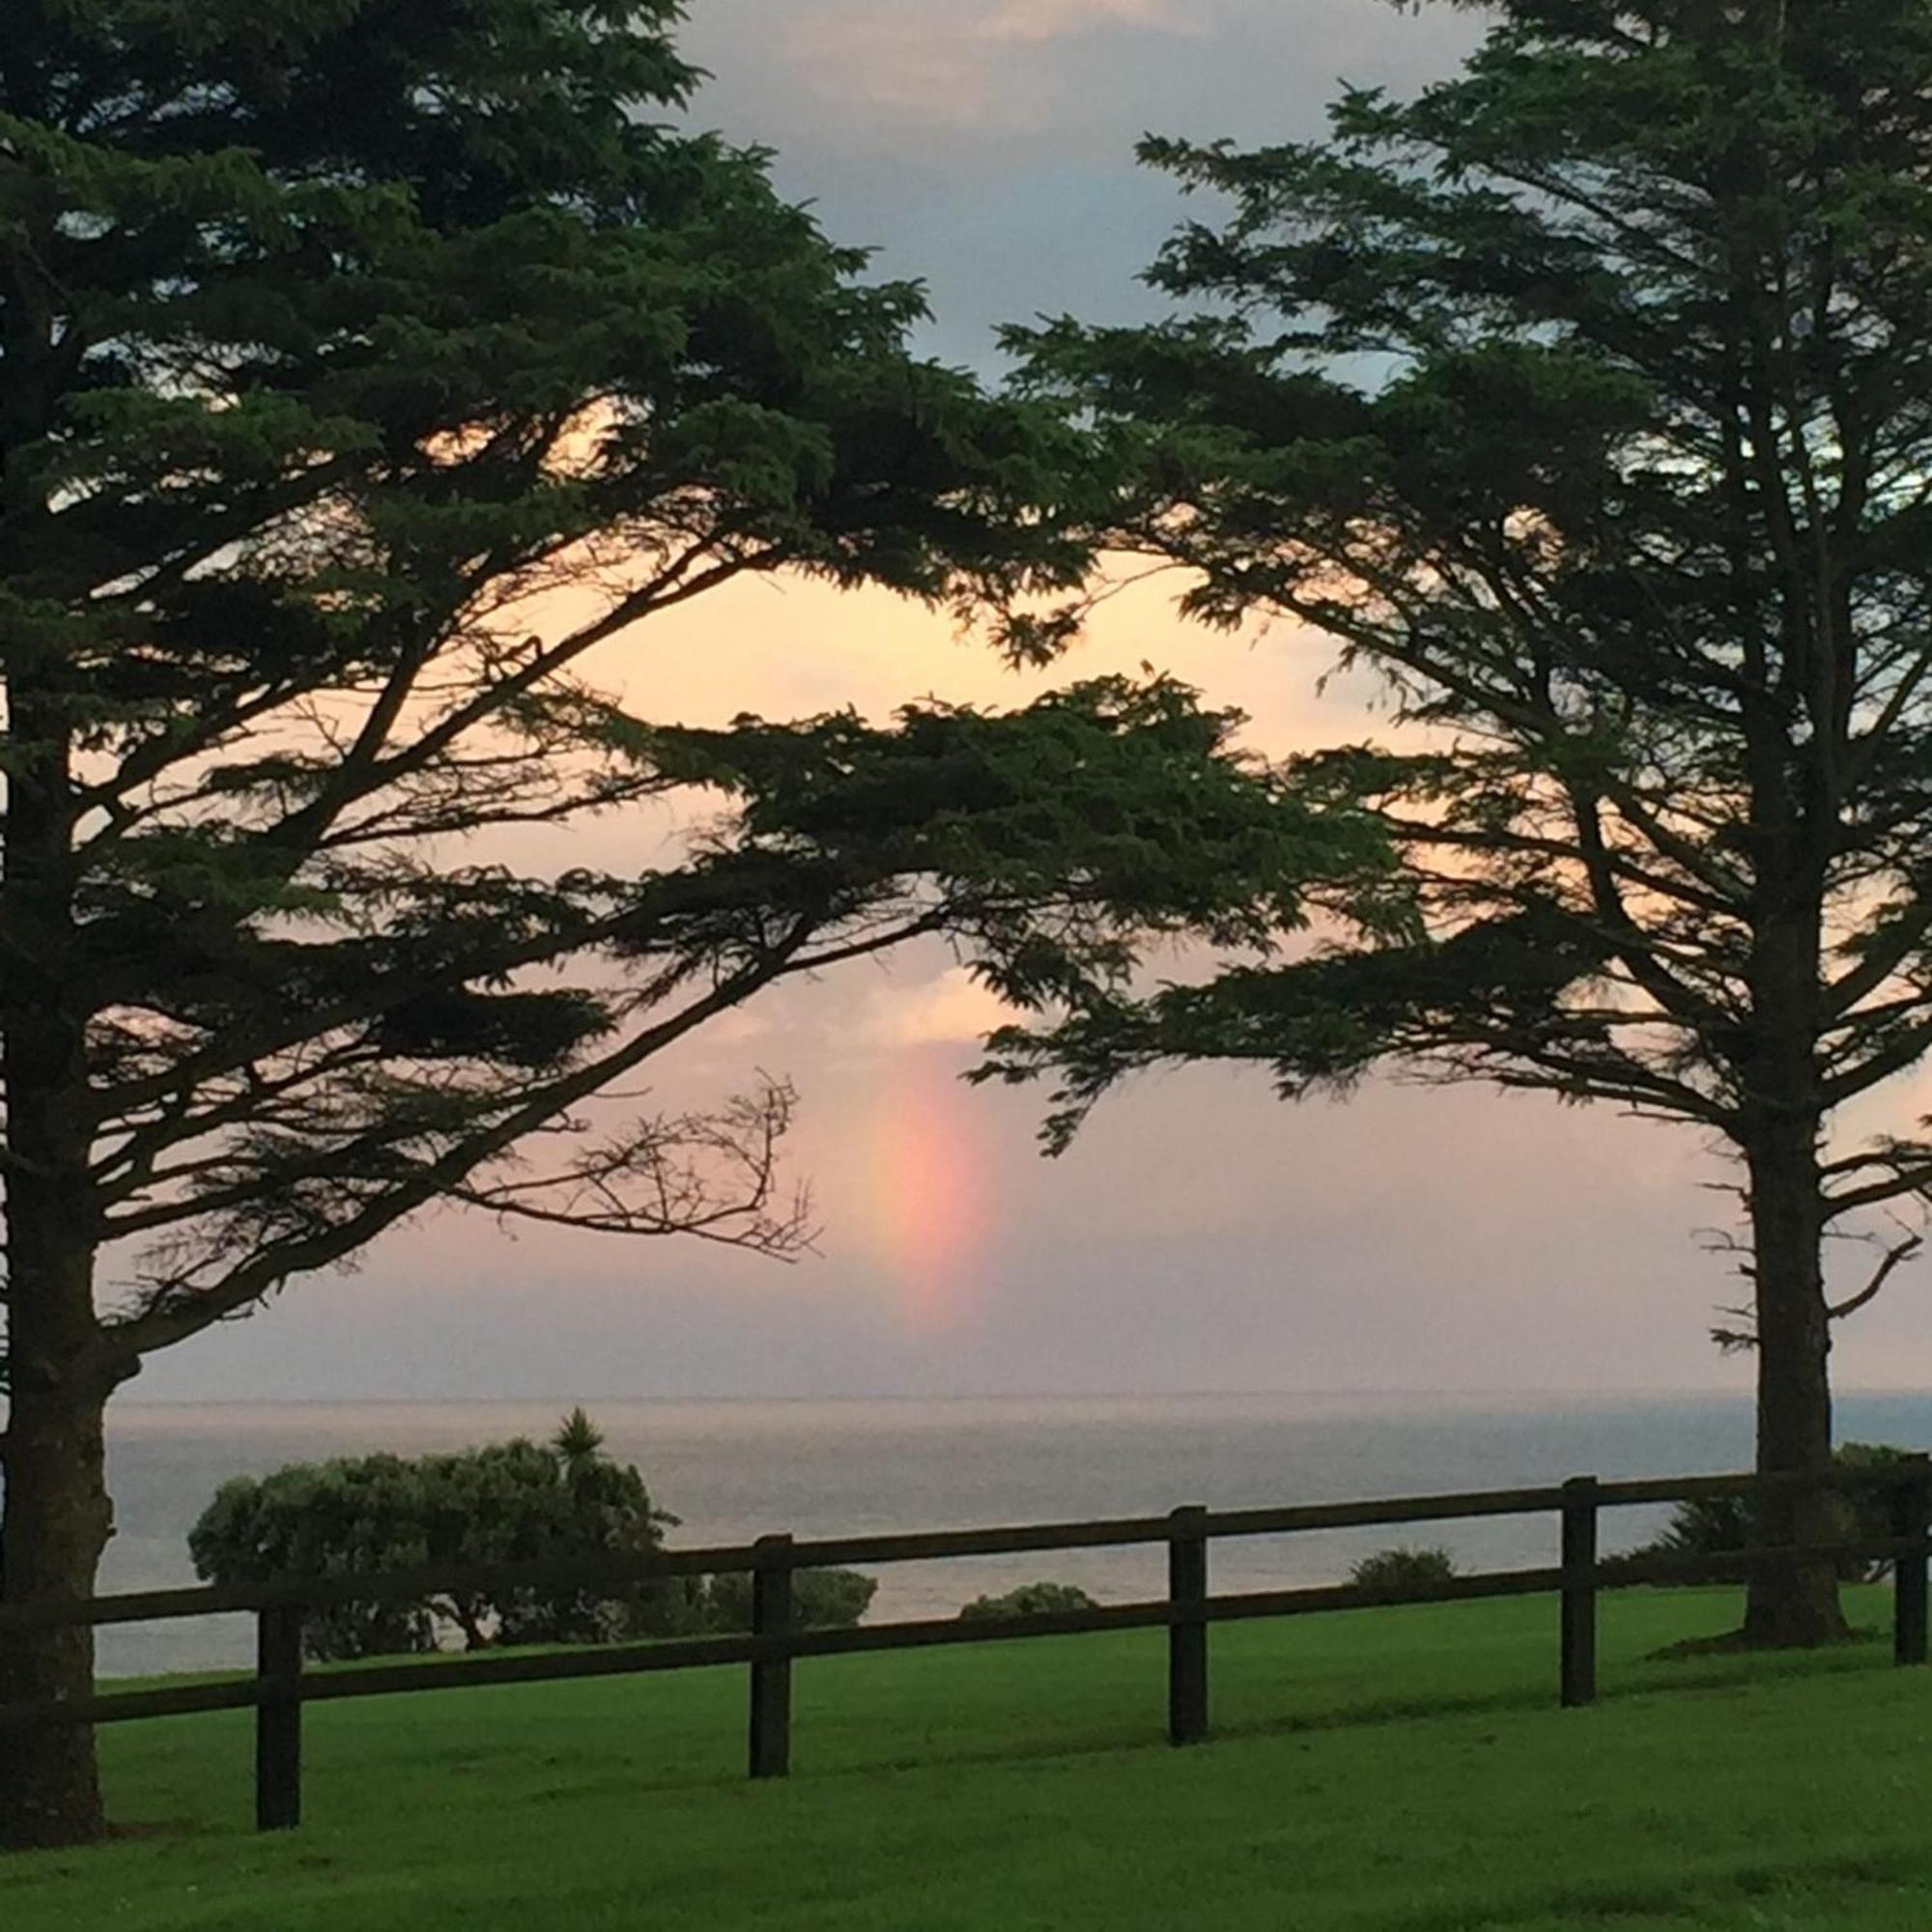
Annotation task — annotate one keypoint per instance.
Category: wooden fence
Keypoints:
(280, 1688)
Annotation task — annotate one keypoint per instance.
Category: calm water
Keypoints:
(735, 1469)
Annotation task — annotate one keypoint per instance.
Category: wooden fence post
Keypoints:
(1188, 1638)
(1579, 1591)
(771, 1677)
(1911, 1506)
(278, 1717)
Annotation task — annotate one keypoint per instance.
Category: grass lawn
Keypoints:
(1401, 1767)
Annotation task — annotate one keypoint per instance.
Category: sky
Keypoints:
(1200, 1236)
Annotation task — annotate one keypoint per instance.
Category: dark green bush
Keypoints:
(1392, 1573)
(821, 1600)
(1029, 1599)
(1718, 1526)
(510, 1502)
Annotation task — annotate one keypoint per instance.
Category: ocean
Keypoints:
(735, 1469)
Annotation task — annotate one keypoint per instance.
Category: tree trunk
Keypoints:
(56, 1518)
(1793, 1604)
(55, 1523)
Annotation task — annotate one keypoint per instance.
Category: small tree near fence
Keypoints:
(507, 1503)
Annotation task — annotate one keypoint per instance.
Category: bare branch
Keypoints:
(1899, 1252)
(713, 1175)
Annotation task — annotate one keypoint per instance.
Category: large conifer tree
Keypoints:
(1586, 398)
(336, 338)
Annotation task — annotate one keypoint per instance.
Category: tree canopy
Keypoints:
(336, 344)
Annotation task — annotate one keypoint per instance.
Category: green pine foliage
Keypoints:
(334, 340)
(1579, 396)
(338, 342)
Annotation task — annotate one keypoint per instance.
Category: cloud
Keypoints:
(737, 1026)
(948, 1010)
(978, 66)
(1037, 20)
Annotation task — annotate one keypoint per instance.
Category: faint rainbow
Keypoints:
(931, 1206)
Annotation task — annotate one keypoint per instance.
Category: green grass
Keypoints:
(1400, 1769)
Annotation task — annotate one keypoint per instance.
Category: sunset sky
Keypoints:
(1200, 1236)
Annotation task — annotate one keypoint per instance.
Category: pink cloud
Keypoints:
(1034, 21)
(976, 65)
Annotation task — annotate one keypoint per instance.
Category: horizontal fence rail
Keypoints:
(281, 1686)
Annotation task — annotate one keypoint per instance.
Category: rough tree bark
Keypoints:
(56, 1523)
(1795, 1604)
(56, 1518)
(1781, 1130)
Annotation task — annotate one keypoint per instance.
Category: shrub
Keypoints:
(1029, 1599)
(508, 1502)
(1391, 1574)
(821, 1600)
(1718, 1525)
